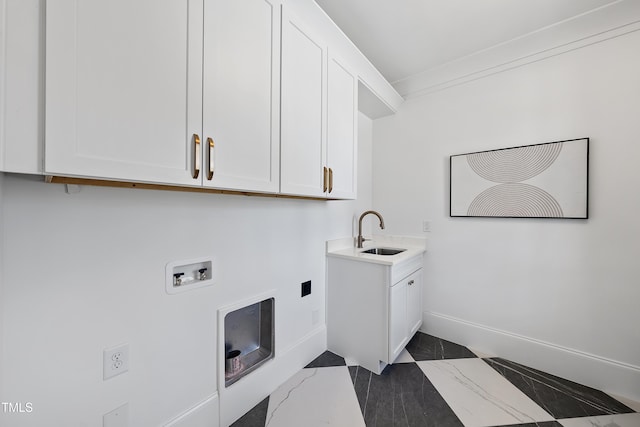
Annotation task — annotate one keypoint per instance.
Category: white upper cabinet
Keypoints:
(342, 149)
(21, 83)
(302, 142)
(319, 113)
(123, 89)
(164, 91)
(241, 95)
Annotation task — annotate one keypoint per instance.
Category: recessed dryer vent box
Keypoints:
(190, 274)
(248, 339)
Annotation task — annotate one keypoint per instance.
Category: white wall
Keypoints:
(561, 295)
(85, 272)
(2, 392)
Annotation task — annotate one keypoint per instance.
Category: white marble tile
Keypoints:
(619, 420)
(350, 362)
(479, 395)
(404, 357)
(315, 397)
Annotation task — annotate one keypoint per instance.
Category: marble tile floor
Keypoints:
(435, 383)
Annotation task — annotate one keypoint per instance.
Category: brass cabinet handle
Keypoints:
(324, 180)
(330, 180)
(196, 156)
(210, 159)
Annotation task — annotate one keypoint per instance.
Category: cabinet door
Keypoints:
(241, 94)
(302, 103)
(414, 302)
(123, 89)
(397, 319)
(342, 149)
(21, 86)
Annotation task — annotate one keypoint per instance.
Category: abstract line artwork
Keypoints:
(535, 181)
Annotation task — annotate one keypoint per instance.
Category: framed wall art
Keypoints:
(548, 180)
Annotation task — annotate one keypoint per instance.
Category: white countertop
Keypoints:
(345, 248)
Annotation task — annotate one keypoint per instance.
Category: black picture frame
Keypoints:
(547, 180)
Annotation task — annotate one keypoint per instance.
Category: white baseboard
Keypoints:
(243, 395)
(605, 374)
(204, 414)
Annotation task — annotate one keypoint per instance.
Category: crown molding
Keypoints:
(604, 23)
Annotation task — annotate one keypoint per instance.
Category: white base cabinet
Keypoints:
(405, 312)
(373, 310)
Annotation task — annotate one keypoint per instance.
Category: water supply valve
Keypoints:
(186, 275)
(177, 279)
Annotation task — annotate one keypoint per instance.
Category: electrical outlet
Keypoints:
(119, 417)
(115, 361)
(426, 226)
(306, 288)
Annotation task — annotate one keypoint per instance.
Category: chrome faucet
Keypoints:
(360, 238)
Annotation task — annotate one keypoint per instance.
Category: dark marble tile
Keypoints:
(360, 378)
(327, 359)
(353, 371)
(400, 396)
(427, 347)
(559, 397)
(256, 417)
